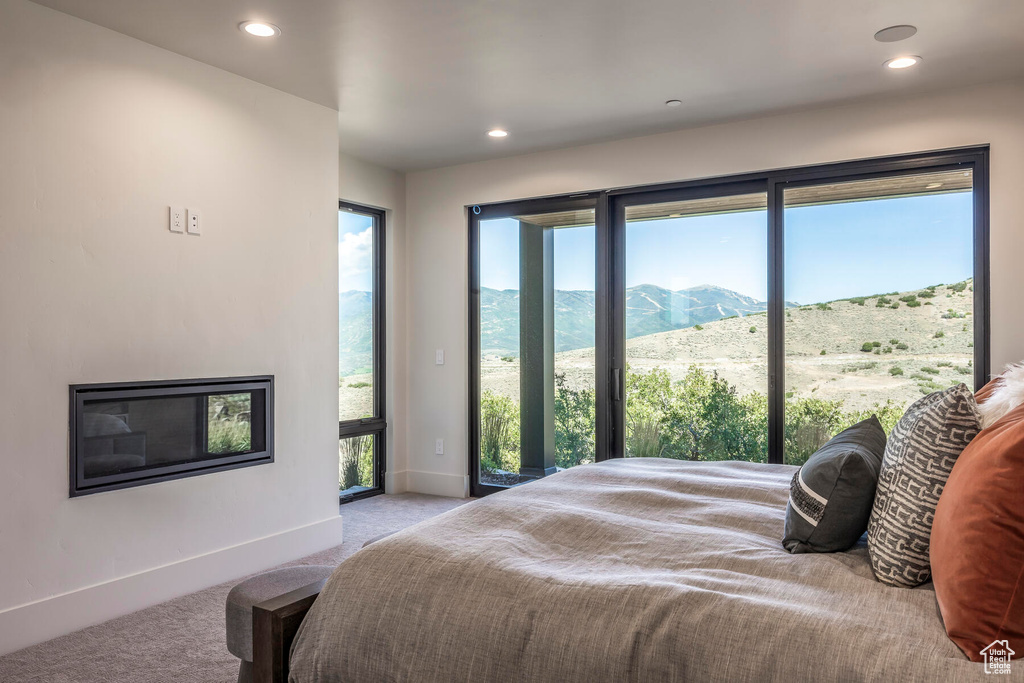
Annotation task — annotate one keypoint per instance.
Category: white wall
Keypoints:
(382, 188)
(437, 234)
(99, 133)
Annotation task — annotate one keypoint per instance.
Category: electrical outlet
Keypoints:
(439, 447)
(439, 357)
(194, 227)
(177, 219)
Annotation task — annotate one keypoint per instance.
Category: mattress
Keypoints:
(641, 569)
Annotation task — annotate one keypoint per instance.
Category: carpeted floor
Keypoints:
(182, 641)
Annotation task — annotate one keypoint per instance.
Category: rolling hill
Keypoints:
(650, 310)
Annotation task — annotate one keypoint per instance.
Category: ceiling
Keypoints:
(417, 83)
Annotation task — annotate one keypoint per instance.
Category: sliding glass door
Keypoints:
(696, 333)
(879, 274)
(748, 318)
(534, 357)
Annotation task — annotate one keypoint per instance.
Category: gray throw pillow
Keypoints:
(831, 495)
(922, 449)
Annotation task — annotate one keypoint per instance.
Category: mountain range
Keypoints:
(649, 309)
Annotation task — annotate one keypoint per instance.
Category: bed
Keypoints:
(626, 570)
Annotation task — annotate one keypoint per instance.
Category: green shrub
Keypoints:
(914, 304)
(823, 307)
(929, 370)
(895, 371)
(944, 364)
(355, 462)
(883, 301)
(939, 335)
(499, 433)
(574, 424)
(894, 342)
(887, 349)
(895, 305)
(359, 385)
(508, 359)
(902, 347)
(926, 294)
(861, 365)
(908, 298)
(959, 286)
(876, 344)
(858, 300)
(867, 347)
(822, 352)
(753, 329)
(698, 327)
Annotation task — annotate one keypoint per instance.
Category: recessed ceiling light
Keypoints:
(894, 34)
(903, 62)
(498, 133)
(674, 103)
(260, 29)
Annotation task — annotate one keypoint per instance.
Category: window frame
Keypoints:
(375, 426)
(476, 214)
(610, 286)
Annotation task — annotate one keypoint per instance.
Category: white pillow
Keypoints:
(1007, 395)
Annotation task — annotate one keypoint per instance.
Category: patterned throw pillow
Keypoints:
(919, 456)
(831, 495)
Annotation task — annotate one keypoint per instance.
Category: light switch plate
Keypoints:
(176, 219)
(194, 224)
(439, 357)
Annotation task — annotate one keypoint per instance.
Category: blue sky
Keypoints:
(355, 251)
(832, 251)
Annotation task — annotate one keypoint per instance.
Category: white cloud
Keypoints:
(355, 261)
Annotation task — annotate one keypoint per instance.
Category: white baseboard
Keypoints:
(396, 482)
(48, 618)
(437, 484)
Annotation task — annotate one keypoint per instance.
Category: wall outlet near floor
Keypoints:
(439, 357)
(439, 447)
(194, 226)
(177, 219)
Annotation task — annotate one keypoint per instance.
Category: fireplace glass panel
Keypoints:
(131, 436)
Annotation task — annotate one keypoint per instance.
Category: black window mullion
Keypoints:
(982, 312)
(776, 322)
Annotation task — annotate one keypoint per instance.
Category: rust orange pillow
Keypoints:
(977, 543)
(981, 395)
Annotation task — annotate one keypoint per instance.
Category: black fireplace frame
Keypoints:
(79, 485)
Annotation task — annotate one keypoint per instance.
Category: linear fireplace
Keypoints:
(134, 433)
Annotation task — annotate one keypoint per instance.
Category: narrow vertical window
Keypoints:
(361, 347)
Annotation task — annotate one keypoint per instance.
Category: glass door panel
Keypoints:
(696, 329)
(536, 332)
(880, 305)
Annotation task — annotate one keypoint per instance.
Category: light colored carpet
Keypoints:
(183, 640)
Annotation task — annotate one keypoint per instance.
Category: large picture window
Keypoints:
(361, 346)
(743, 318)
